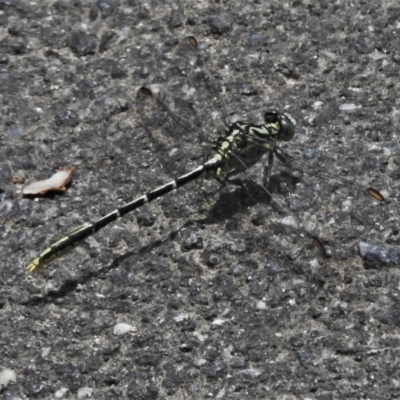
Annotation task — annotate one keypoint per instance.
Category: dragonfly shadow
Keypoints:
(248, 193)
(71, 285)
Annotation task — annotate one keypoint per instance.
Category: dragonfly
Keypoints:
(238, 146)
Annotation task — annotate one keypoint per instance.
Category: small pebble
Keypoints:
(122, 328)
(7, 376)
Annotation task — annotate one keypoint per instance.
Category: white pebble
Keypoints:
(7, 376)
(348, 107)
(199, 362)
(317, 105)
(45, 352)
(261, 305)
(85, 392)
(218, 321)
(252, 371)
(181, 317)
(122, 328)
(60, 393)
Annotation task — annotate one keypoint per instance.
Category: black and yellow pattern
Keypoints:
(242, 146)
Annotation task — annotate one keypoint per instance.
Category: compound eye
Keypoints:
(288, 127)
(271, 117)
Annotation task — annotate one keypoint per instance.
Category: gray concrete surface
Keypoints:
(228, 301)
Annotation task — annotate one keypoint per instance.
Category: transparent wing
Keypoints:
(200, 83)
(342, 209)
(183, 106)
(295, 222)
(159, 108)
(291, 162)
(323, 193)
(173, 127)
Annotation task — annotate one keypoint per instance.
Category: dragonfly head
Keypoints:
(284, 124)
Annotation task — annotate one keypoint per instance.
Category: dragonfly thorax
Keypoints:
(244, 144)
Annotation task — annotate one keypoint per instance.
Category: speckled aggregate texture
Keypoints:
(219, 296)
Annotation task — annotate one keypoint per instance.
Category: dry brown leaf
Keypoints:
(56, 183)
